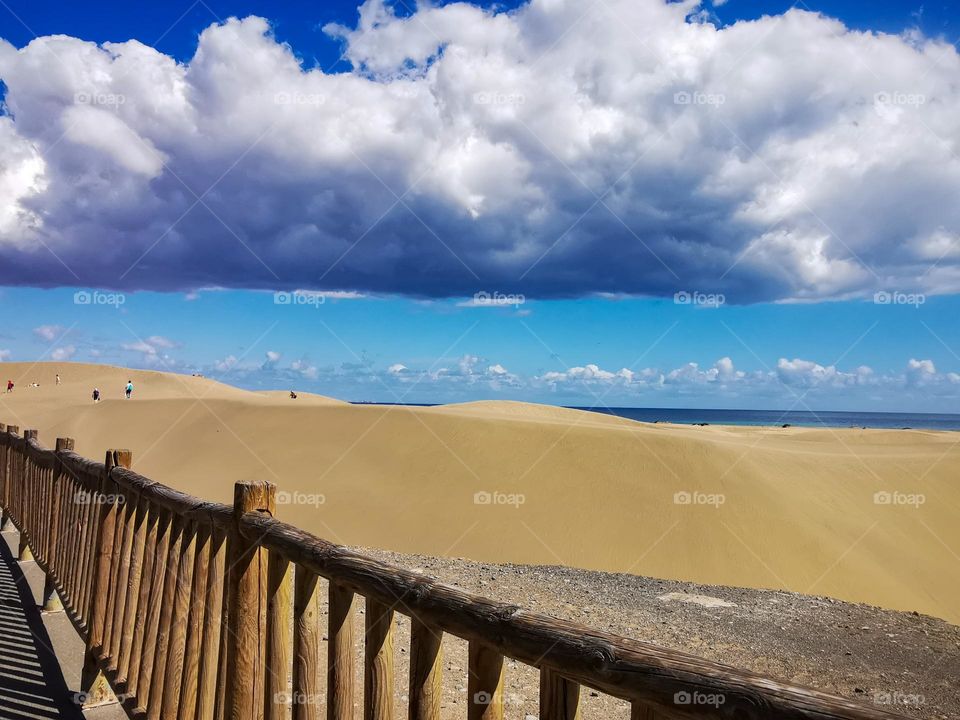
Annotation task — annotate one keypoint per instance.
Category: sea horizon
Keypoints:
(874, 420)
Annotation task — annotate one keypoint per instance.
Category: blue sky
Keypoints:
(723, 237)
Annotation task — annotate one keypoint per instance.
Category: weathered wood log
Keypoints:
(559, 697)
(189, 690)
(279, 638)
(378, 662)
(340, 674)
(306, 646)
(165, 628)
(128, 514)
(93, 684)
(211, 658)
(151, 630)
(24, 552)
(247, 639)
(179, 625)
(141, 620)
(51, 599)
(426, 671)
(484, 683)
(132, 609)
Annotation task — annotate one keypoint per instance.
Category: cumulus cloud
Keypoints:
(468, 370)
(227, 364)
(552, 151)
(271, 358)
(791, 381)
(5, 355)
(48, 333)
(806, 373)
(152, 350)
(63, 353)
(921, 372)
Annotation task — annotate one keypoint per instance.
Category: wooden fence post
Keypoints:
(25, 552)
(279, 638)
(426, 671)
(340, 646)
(7, 471)
(378, 662)
(51, 600)
(247, 614)
(4, 515)
(559, 697)
(94, 688)
(485, 683)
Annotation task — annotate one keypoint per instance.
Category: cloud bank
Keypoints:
(555, 150)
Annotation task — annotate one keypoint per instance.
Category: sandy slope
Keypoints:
(598, 492)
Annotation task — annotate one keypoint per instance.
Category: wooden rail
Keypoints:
(194, 610)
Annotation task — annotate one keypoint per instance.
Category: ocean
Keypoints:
(805, 418)
(925, 421)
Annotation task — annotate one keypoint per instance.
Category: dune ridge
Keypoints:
(817, 511)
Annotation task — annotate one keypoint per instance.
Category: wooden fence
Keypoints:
(194, 610)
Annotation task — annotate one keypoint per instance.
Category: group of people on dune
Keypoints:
(127, 390)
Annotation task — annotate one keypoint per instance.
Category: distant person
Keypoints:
(58, 378)
(293, 395)
(96, 395)
(129, 389)
(9, 386)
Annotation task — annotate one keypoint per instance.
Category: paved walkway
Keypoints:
(40, 653)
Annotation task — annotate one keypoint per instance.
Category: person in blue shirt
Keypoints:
(129, 390)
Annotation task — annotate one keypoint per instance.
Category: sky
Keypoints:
(617, 203)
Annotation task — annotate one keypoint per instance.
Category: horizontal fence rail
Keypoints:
(194, 610)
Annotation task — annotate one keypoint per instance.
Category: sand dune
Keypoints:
(790, 508)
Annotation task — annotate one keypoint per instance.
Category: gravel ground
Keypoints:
(909, 663)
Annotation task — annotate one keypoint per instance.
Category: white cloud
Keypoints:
(810, 158)
(305, 370)
(48, 333)
(5, 355)
(152, 350)
(63, 353)
(806, 373)
(227, 364)
(921, 372)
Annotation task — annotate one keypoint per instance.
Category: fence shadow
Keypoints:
(31, 681)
